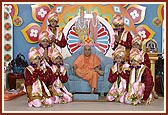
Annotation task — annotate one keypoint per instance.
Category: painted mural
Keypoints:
(134, 18)
(93, 24)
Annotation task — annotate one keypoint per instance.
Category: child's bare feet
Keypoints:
(93, 90)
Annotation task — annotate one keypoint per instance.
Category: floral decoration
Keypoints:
(7, 47)
(145, 32)
(40, 11)
(31, 32)
(7, 37)
(7, 57)
(137, 13)
(18, 21)
(157, 22)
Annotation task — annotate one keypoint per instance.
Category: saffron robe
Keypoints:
(86, 68)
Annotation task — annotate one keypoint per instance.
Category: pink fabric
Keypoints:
(94, 28)
(36, 89)
(114, 68)
(126, 67)
(137, 39)
(134, 51)
(118, 19)
(138, 90)
(135, 54)
(120, 50)
(62, 69)
(55, 53)
(57, 36)
(43, 34)
(49, 101)
(122, 98)
(44, 62)
(56, 99)
(32, 51)
(51, 33)
(117, 93)
(53, 15)
(67, 96)
(135, 89)
(110, 97)
(41, 51)
(141, 90)
(35, 103)
(112, 40)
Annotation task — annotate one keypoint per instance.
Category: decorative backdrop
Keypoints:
(27, 20)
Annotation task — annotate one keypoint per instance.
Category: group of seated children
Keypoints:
(132, 82)
(131, 78)
(45, 75)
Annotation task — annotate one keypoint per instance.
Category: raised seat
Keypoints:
(76, 84)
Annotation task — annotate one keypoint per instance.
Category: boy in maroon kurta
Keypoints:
(56, 36)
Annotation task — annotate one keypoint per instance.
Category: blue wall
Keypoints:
(20, 44)
(24, 11)
(151, 13)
